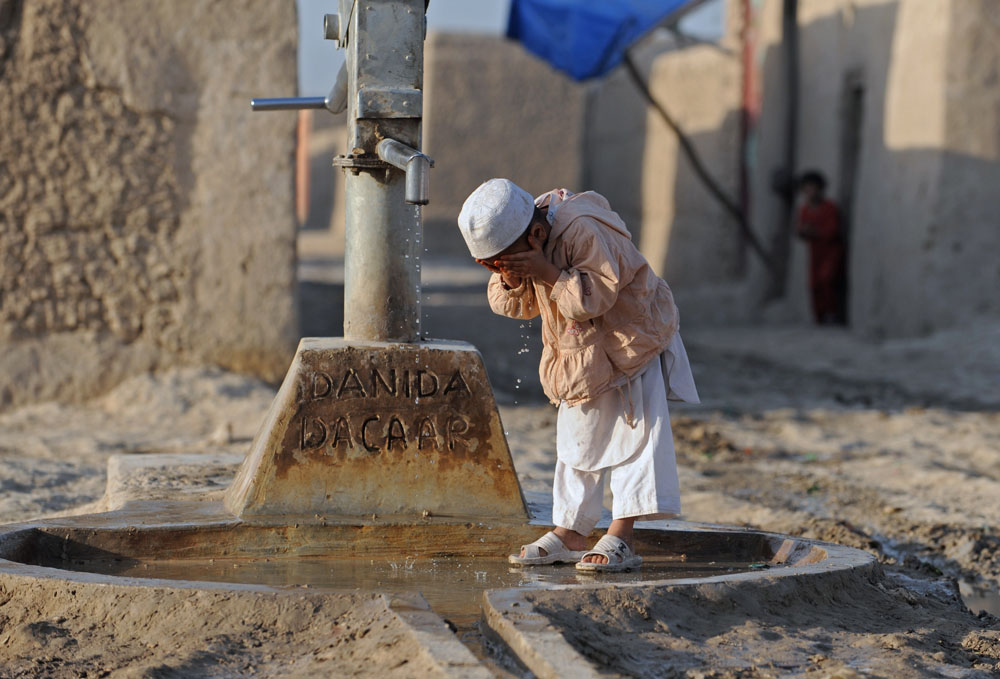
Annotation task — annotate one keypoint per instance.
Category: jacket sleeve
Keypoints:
(517, 302)
(589, 288)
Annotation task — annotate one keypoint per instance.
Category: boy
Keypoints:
(611, 358)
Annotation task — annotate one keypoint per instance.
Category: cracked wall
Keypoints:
(146, 218)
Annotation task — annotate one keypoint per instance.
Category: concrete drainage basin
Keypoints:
(459, 568)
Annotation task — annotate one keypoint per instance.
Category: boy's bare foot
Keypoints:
(574, 541)
(620, 528)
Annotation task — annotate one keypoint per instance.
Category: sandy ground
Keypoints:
(55, 457)
(166, 633)
(889, 447)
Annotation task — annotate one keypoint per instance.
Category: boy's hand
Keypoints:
(509, 280)
(489, 265)
(530, 264)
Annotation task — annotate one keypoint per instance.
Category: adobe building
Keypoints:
(493, 110)
(146, 217)
(898, 106)
(634, 159)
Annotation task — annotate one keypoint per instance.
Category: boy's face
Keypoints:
(812, 191)
(537, 231)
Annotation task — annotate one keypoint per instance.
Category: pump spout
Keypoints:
(415, 164)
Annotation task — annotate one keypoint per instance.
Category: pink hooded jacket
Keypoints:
(607, 316)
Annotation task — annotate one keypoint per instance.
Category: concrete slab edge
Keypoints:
(538, 644)
(438, 643)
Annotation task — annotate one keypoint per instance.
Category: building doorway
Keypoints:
(851, 122)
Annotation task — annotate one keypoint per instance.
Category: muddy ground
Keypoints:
(892, 627)
(887, 447)
(785, 445)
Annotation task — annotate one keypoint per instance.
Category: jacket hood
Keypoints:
(564, 207)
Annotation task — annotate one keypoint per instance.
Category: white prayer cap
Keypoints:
(494, 216)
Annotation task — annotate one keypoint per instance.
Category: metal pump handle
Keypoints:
(288, 103)
(334, 102)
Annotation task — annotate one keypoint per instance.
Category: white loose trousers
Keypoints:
(625, 434)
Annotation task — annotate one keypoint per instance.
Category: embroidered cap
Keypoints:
(494, 216)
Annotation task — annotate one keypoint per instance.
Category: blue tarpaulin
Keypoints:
(585, 38)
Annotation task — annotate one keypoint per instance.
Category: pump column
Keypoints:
(384, 45)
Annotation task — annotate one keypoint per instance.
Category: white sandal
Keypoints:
(619, 555)
(555, 552)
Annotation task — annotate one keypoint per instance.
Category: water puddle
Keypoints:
(452, 586)
(979, 599)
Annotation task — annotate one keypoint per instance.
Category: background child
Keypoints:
(611, 358)
(819, 224)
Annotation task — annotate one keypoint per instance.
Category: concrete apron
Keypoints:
(375, 452)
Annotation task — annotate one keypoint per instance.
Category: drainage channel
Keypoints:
(453, 586)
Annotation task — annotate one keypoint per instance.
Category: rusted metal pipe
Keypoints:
(383, 40)
(381, 260)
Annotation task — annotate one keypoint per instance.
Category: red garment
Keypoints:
(819, 223)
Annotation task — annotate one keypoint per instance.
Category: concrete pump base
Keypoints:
(362, 428)
(81, 554)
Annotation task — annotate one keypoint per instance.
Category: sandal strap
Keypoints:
(612, 547)
(550, 542)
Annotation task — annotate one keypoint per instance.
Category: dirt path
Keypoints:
(917, 487)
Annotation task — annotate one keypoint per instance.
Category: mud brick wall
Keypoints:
(146, 217)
